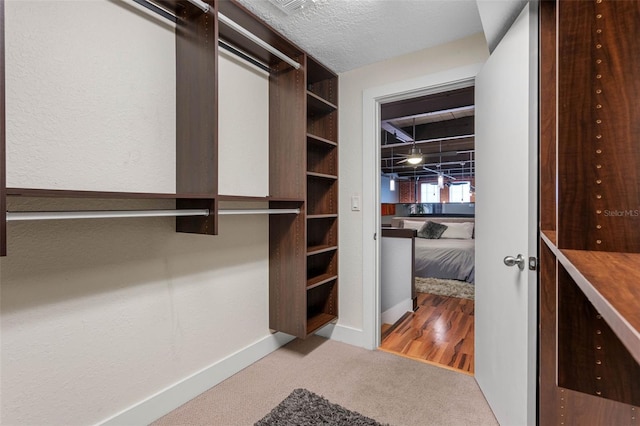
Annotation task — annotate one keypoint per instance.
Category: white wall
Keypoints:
(463, 52)
(92, 84)
(98, 315)
(243, 149)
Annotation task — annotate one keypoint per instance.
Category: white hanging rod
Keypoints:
(201, 5)
(241, 30)
(110, 214)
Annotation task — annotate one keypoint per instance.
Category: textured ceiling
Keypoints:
(348, 34)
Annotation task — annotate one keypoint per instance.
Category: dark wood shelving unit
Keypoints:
(303, 159)
(590, 231)
(303, 163)
(322, 195)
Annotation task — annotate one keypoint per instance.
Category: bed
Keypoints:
(451, 257)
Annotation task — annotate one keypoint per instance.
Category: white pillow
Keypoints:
(461, 230)
(413, 224)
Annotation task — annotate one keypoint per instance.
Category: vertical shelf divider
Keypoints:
(196, 116)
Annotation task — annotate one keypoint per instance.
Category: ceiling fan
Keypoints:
(414, 157)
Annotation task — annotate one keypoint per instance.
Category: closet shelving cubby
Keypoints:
(590, 225)
(322, 195)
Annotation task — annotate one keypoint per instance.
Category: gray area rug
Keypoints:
(451, 288)
(304, 408)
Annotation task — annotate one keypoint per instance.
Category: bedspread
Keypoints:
(445, 258)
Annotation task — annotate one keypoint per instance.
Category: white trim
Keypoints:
(344, 334)
(394, 313)
(163, 402)
(371, 100)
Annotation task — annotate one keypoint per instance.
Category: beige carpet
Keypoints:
(385, 387)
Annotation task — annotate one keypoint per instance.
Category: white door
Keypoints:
(506, 218)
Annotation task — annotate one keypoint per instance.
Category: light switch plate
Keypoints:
(355, 203)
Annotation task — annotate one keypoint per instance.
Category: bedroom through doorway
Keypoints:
(427, 217)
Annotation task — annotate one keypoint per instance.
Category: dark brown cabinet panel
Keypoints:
(590, 195)
(304, 165)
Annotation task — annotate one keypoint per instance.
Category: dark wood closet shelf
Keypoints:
(319, 320)
(322, 175)
(63, 193)
(611, 282)
(317, 73)
(320, 280)
(318, 139)
(550, 238)
(320, 249)
(319, 105)
(321, 216)
(248, 198)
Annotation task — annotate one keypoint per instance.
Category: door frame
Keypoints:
(372, 99)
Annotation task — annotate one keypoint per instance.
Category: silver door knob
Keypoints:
(512, 261)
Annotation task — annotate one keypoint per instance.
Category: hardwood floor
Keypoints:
(440, 331)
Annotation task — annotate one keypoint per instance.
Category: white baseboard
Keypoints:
(394, 313)
(165, 401)
(341, 333)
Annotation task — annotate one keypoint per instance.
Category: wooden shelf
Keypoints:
(319, 140)
(318, 105)
(322, 175)
(550, 238)
(320, 249)
(611, 282)
(321, 216)
(270, 199)
(320, 280)
(319, 320)
(63, 193)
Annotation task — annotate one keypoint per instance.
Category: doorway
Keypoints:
(427, 182)
(373, 99)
